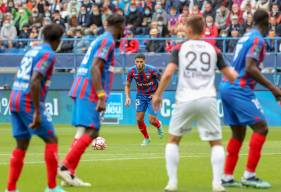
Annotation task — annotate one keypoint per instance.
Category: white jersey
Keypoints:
(197, 61)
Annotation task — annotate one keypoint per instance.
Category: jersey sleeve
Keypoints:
(256, 49)
(220, 61)
(175, 55)
(45, 63)
(156, 73)
(130, 75)
(105, 48)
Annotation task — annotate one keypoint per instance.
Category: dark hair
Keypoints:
(140, 56)
(52, 32)
(196, 23)
(115, 20)
(261, 17)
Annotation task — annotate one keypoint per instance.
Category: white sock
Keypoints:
(172, 161)
(248, 174)
(217, 160)
(228, 177)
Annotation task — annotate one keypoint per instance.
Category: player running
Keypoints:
(146, 78)
(90, 89)
(27, 107)
(241, 107)
(196, 101)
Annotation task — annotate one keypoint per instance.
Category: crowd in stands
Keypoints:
(85, 19)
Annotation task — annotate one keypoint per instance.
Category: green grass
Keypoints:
(127, 167)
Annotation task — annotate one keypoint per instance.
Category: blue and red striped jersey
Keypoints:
(251, 45)
(40, 59)
(103, 48)
(146, 81)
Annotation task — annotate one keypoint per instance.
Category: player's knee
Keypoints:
(261, 128)
(140, 120)
(23, 144)
(152, 120)
(51, 140)
(174, 139)
(93, 133)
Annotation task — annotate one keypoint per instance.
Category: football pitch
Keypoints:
(125, 166)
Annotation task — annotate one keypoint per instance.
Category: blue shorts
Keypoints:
(20, 124)
(84, 114)
(240, 106)
(143, 104)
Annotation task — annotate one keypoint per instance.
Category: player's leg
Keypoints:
(172, 157)
(256, 143)
(233, 149)
(142, 127)
(22, 136)
(209, 129)
(153, 120)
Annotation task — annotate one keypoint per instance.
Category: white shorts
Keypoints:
(201, 111)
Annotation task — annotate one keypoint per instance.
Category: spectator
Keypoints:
(96, 30)
(67, 45)
(182, 17)
(55, 6)
(270, 43)
(129, 46)
(273, 24)
(84, 19)
(24, 34)
(235, 25)
(72, 19)
(211, 31)
(34, 34)
(221, 43)
(232, 43)
(156, 46)
(235, 11)
(209, 11)
(96, 16)
(144, 28)
(162, 28)
(160, 13)
(8, 33)
(82, 46)
(173, 3)
(134, 18)
(221, 16)
(248, 11)
(21, 18)
(196, 10)
(57, 19)
(181, 36)
(3, 7)
(35, 19)
(248, 23)
(88, 5)
(73, 4)
(172, 20)
(263, 4)
(40, 8)
(276, 13)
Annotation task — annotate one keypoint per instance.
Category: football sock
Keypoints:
(51, 159)
(16, 164)
(73, 157)
(217, 161)
(233, 148)
(172, 161)
(254, 154)
(156, 124)
(143, 130)
(248, 174)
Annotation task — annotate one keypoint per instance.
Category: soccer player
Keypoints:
(146, 78)
(27, 107)
(196, 61)
(90, 89)
(241, 107)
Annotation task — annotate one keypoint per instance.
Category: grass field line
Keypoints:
(202, 155)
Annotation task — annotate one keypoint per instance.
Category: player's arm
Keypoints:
(97, 67)
(127, 93)
(35, 90)
(164, 82)
(253, 70)
(227, 71)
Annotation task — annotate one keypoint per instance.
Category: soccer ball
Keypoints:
(99, 143)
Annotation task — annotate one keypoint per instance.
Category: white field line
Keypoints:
(202, 155)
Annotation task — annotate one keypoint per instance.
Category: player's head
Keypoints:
(140, 61)
(52, 34)
(195, 27)
(115, 23)
(261, 21)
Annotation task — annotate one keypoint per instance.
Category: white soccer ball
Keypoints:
(99, 143)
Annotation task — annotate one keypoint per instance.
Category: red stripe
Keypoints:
(18, 101)
(83, 90)
(133, 73)
(103, 43)
(93, 96)
(76, 87)
(139, 77)
(27, 103)
(43, 91)
(256, 40)
(243, 81)
(154, 86)
(42, 60)
(11, 100)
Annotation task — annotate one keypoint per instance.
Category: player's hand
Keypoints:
(128, 101)
(101, 104)
(36, 121)
(277, 93)
(156, 102)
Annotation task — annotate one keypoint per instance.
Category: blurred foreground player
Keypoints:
(241, 107)
(146, 78)
(90, 89)
(27, 107)
(196, 61)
